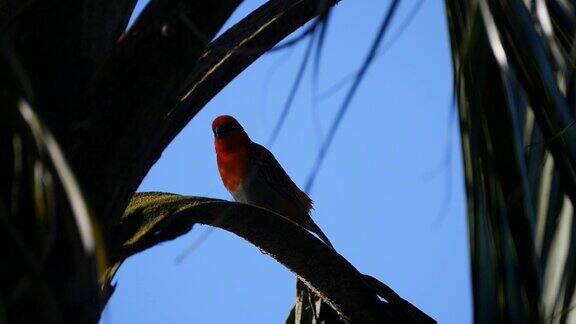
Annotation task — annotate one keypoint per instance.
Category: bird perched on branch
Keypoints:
(253, 175)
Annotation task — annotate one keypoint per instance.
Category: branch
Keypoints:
(105, 21)
(126, 99)
(235, 50)
(152, 218)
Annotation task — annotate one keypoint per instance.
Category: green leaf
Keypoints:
(515, 85)
(155, 217)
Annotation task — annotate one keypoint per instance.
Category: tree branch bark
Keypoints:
(152, 218)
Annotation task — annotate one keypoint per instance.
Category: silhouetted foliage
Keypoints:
(114, 99)
(514, 78)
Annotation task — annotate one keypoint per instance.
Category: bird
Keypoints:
(252, 175)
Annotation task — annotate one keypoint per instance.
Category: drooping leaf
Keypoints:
(515, 93)
(155, 217)
(50, 247)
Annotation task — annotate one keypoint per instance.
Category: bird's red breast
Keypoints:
(233, 166)
(232, 151)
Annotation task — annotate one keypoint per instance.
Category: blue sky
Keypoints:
(390, 194)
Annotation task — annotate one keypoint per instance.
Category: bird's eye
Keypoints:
(222, 130)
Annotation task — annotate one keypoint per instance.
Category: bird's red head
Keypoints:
(228, 133)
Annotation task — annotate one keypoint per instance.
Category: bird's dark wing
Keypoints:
(267, 167)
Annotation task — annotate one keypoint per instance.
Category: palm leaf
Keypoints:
(513, 81)
(49, 242)
(156, 217)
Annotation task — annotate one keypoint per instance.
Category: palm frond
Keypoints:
(512, 77)
(48, 237)
(154, 217)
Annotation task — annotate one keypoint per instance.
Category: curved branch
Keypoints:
(152, 218)
(143, 74)
(235, 50)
